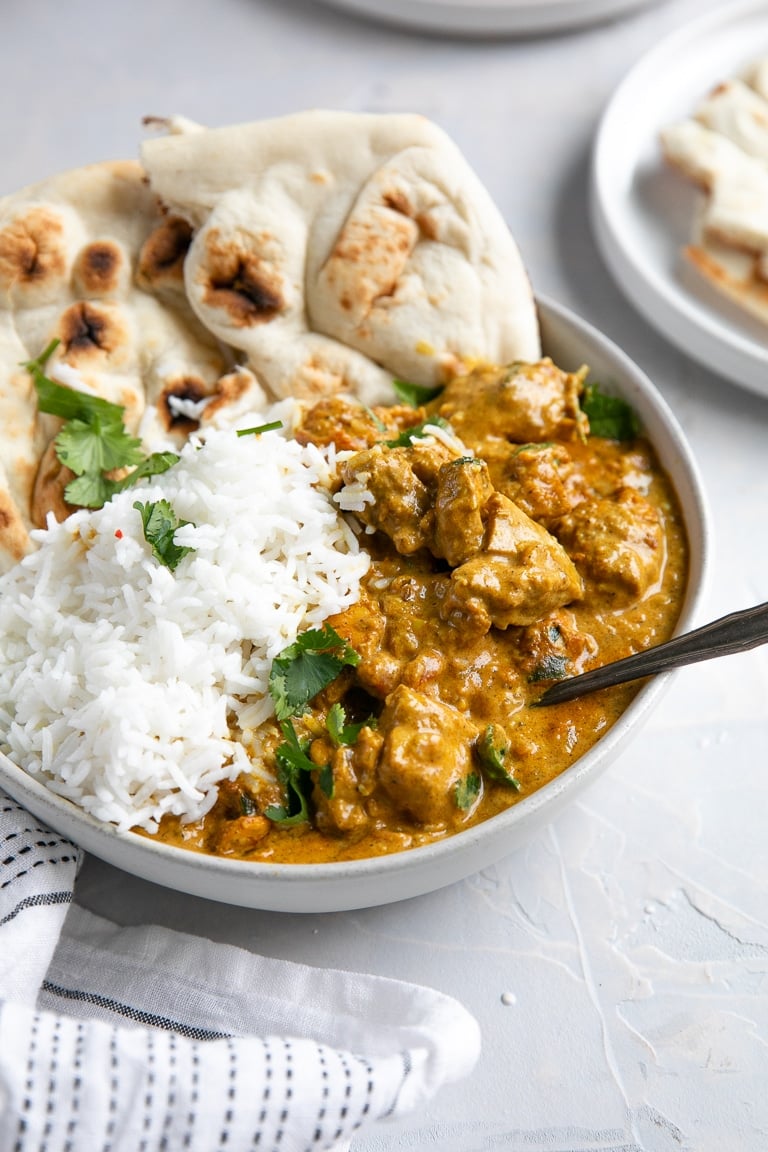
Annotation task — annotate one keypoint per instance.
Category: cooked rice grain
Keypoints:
(123, 684)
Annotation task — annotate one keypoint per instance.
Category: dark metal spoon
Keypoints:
(730, 634)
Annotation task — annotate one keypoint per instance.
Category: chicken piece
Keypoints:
(400, 500)
(463, 489)
(350, 425)
(237, 837)
(554, 647)
(616, 544)
(427, 456)
(521, 574)
(401, 484)
(362, 625)
(520, 402)
(540, 479)
(426, 755)
(343, 810)
(239, 825)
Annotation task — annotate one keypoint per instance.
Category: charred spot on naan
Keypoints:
(33, 256)
(239, 276)
(161, 258)
(231, 389)
(188, 388)
(369, 257)
(100, 269)
(91, 331)
(397, 200)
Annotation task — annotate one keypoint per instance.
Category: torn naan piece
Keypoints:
(723, 148)
(736, 112)
(737, 274)
(91, 259)
(339, 250)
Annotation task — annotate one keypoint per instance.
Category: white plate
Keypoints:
(642, 211)
(364, 883)
(486, 17)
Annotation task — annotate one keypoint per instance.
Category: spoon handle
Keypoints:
(737, 632)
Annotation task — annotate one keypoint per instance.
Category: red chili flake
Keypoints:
(118, 534)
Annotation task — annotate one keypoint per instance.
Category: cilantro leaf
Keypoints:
(96, 446)
(608, 416)
(552, 667)
(91, 490)
(380, 425)
(259, 428)
(418, 432)
(415, 394)
(68, 403)
(160, 523)
(467, 791)
(293, 768)
(533, 446)
(491, 752)
(307, 666)
(93, 440)
(152, 465)
(248, 806)
(325, 780)
(339, 731)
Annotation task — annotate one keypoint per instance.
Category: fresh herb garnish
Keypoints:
(259, 428)
(339, 731)
(302, 670)
(93, 440)
(307, 666)
(380, 425)
(467, 791)
(248, 806)
(418, 432)
(293, 768)
(160, 523)
(325, 780)
(551, 667)
(92, 490)
(492, 752)
(415, 394)
(608, 416)
(293, 772)
(533, 446)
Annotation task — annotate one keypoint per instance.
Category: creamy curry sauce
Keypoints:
(546, 552)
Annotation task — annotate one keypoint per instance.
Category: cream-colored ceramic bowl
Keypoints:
(364, 883)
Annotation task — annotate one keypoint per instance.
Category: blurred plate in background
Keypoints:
(642, 210)
(488, 17)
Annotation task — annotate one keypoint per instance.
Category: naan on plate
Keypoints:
(316, 253)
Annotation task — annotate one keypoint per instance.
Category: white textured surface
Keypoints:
(619, 964)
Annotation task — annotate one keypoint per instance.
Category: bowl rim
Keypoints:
(152, 857)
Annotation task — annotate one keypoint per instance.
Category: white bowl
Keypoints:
(365, 883)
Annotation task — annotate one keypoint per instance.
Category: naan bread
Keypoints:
(735, 273)
(91, 258)
(338, 250)
(723, 148)
(332, 251)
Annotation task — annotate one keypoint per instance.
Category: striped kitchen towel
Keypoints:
(128, 1039)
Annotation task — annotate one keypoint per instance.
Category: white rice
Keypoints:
(123, 685)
